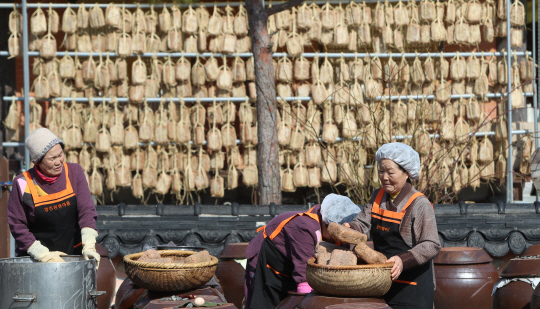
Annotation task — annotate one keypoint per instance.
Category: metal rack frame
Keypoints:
(24, 6)
(338, 139)
(244, 99)
(143, 5)
(280, 55)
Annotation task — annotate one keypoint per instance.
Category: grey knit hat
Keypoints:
(40, 142)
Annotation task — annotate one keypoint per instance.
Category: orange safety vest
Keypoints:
(392, 216)
(56, 222)
(388, 215)
(282, 224)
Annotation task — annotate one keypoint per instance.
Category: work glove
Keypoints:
(88, 237)
(41, 253)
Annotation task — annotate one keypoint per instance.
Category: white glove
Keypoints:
(41, 253)
(88, 237)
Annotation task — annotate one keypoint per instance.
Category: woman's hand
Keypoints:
(346, 225)
(397, 268)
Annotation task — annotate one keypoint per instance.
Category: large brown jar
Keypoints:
(106, 278)
(464, 278)
(518, 294)
(231, 274)
(535, 299)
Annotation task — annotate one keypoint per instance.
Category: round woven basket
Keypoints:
(166, 277)
(372, 280)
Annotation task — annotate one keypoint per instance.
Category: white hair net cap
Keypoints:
(403, 155)
(338, 209)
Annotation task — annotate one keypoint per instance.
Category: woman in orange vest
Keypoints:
(277, 256)
(402, 224)
(50, 210)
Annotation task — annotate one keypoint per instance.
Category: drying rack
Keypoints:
(26, 54)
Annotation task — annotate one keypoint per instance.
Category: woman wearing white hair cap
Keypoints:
(402, 224)
(50, 210)
(277, 256)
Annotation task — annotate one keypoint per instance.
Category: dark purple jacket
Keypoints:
(20, 214)
(296, 241)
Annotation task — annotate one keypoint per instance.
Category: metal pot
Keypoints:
(29, 284)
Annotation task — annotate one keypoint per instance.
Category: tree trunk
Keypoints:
(267, 149)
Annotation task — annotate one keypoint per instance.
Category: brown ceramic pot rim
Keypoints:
(461, 249)
(234, 251)
(522, 268)
(457, 256)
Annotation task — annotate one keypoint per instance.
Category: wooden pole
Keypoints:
(4, 227)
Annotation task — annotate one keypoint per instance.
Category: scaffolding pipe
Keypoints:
(535, 97)
(12, 144)
(339, 139)
(243, 99)
(26, 78)
(509, 163)
(278, 55)
(477, 134)
(144, 6)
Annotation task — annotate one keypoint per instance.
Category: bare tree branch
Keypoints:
(282, 7)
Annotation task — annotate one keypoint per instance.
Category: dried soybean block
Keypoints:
(326, 247)
(149, 255)
(342, 258)
(160, 260)
(199, 257)
(345, 234)
(323, 258)
(369, 255)
(178, 259)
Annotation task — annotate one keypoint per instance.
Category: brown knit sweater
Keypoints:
(418, 227)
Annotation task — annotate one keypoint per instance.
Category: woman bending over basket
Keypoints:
(277, 256)
(402, 224)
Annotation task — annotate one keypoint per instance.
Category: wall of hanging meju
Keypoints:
(161, 98)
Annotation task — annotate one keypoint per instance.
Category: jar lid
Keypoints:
(462, 255)
(234, 251)
(522, 267)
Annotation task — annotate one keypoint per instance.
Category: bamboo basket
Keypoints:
(165, 277)
(350, 281)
